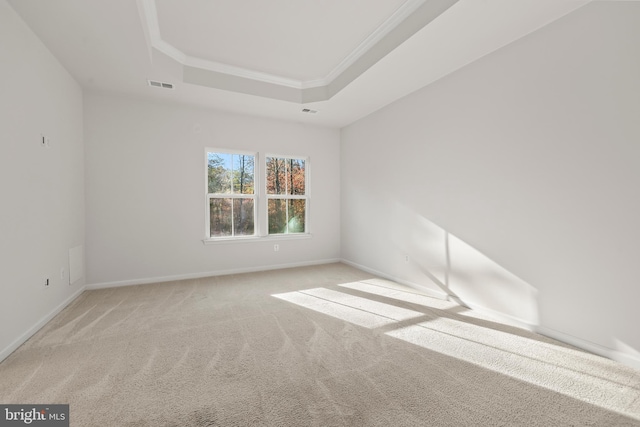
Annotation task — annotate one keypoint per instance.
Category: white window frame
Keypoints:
(260, 199)
(306, 196)
(255, 196)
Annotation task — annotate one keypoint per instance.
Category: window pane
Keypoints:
(287, 216)
(243, 168)
(220, 171)
(277, 216)
(243, 217)
(276, 176)
(297, 176)
(297, 215)
(220, 217)
(285, 176)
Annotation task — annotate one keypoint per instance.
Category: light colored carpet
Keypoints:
(315, 346)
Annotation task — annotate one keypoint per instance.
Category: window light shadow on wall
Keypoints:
(444, 263)
(446, 328)
(447, 264)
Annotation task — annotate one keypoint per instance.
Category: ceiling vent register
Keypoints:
(162, 85)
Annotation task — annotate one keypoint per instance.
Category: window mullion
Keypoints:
(293, 186)
(233, 227)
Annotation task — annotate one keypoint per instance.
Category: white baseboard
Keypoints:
(442, 295)
(610, 353)
(188, 276)
(5, 352)
(423, 289)
(616, 355)
(502, 317)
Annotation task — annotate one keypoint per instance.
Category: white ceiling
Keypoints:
(302, 40)
(117, 45)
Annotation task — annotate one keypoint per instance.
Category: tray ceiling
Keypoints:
(298, 40)
(342, 58)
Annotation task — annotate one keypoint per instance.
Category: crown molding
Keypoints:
(402, 24)
(246, 73)
(145, 28)
(149, 17)
(170, 51)
(402, 13)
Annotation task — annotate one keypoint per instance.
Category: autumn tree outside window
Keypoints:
(241, 206)
(231, 196)
(287, 198)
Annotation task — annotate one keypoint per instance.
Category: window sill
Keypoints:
(254, 239)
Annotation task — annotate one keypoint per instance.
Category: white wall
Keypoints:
(42, 214)
(145, 190)
(514, 183)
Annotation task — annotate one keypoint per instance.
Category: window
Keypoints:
(251, 196)
(231, 197)
(287, 199)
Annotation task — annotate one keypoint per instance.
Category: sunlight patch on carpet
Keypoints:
(572, 373)
(359, 311)
(380, 287)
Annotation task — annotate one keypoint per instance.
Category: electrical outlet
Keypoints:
(276, 248)
(406, 258)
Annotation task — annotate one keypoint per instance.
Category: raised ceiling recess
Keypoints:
(313, 51)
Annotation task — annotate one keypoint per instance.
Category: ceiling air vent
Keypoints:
(310, 111)
(163, 85)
